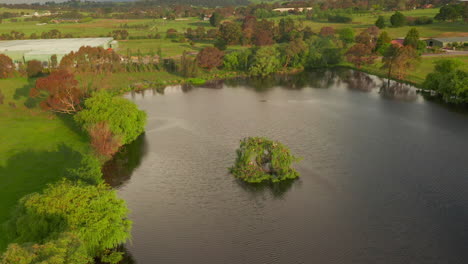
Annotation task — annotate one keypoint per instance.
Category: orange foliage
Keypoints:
(102, 140)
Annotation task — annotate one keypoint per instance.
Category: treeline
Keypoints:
(52, 34)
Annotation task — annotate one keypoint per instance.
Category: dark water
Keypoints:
(384, 174)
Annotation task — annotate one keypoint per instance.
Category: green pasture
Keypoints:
(35, 147)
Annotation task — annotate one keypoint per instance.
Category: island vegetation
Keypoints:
(262, 160)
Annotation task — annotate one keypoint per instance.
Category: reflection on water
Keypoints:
(119, 169)
(383, 174)
(277, 190)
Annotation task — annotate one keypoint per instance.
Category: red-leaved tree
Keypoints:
(59, 92)
(327, 31)
(210, 57)
(103, 141)
(7, 68)
(360, 54)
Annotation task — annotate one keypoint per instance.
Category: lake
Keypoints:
(384, 174)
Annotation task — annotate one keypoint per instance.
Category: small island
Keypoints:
(261, 160)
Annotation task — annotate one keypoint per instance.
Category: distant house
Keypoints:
(281, 10)
(444, 42)
(206, 17)
(399, 42)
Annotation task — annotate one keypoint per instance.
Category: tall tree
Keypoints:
(210, 57)
(398, 60)
(360, 54)
(412, 38)
(230, 32)
(398, 19)
(216, 19)
(7, 68)
(59, 92)
(34, 68)
(380, 23)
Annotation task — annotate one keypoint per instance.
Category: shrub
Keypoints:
(340, 19)
(398, 19)
(125, 120)
(89, 171)
(260, 159)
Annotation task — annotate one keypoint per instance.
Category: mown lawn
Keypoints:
(36, 147)
(418, 74)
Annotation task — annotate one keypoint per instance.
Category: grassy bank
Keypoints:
(36, 147)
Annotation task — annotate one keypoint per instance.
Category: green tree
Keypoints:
(383, 42)
(412, 38)
(66, 249)
(230, 32)
(294, 53)
(265, 62)
(449, 80)
(94, 214)
(125, 120)
(398, 19)
(380, 23)
(347, 35)
(216, 19)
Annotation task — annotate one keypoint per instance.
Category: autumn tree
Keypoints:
(264, 33)
(103, 141)
(327, 31)
(210, 57)
(59, 92)
(359, 55)
(34, 68)
(249, 26)
(398, 60)
(7, 68)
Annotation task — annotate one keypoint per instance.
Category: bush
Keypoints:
(125, 120)
(260, 159)
(398, 19)
(89, 171)
(7, 68)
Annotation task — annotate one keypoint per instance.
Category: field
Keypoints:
(419, 72)
(102, 28)
(36, 147)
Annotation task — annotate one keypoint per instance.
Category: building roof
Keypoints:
(50, 46)
(453, 39)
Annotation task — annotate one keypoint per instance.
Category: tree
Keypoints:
(286, 28)
(347, 35)
(230, 32)
(94, 214)
(412, 38)
(53, 61)
(293, 53)
(360, 54)
(380, 23)
(264, 33)
(265, 62)
(249, 26)
(59, 92)
(125, 120)
(398, 19)
(383, 42)
(366, 39)
(7, 68)
(261, 159)
(398, 60)
(216, 19)
(449, 80)
(210, 57)
(68, 248)
(103, 141)
(188, 66)
(34, 68)
(448, 12)
(327, 32)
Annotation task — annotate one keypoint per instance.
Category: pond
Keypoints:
(384, 174)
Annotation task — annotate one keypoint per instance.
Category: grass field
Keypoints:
(35, 149)
(418, 74)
